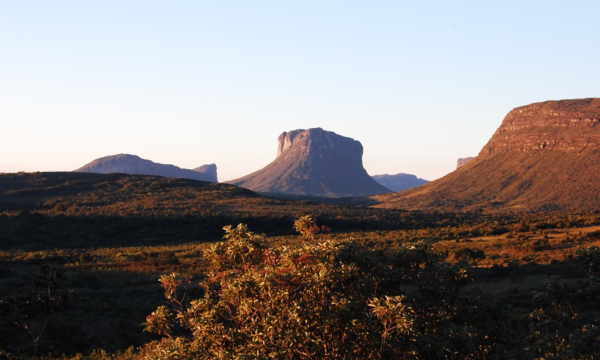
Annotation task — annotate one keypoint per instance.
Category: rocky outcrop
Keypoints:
(463, 161)
(209, 170)
(569, 126)
(399, 182)
(314, 162)
(132, 164)
(544, 156)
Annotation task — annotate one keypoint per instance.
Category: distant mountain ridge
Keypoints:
(133, 164)
(399, 182)
(544, 156)
(314, 162)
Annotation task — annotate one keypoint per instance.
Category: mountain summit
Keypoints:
(544, 156)
(314, 162)
(132, 164)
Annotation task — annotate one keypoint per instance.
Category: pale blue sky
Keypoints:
(419, 84)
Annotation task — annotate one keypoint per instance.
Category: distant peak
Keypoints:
(133, 164)
(209, 170)
(314, 162)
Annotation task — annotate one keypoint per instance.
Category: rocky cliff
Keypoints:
(544, 156)
(568, 126)
(314, 162)
(132, 164)
(399, 182)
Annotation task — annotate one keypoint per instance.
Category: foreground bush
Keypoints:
(341, 300)
(324, 300)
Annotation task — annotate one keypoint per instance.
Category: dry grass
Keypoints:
(541, 246)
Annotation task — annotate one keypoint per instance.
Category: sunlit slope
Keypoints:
(114, 194)
(544, 156)
(58, 210)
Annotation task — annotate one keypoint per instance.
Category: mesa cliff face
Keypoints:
(544, 156)
(132, 164)
(569, 126)
(314, 162)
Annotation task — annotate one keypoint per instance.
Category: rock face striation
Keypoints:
(399, 182)
(568, 126)
(544, 156)
(132, 164)
(314, 162)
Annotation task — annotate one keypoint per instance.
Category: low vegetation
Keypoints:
(134, 267)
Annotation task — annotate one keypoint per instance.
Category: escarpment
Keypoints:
(544, 156)
(570, 126)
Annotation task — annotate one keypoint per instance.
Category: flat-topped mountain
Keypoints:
(314, 162)
(544, 156)
(132, 164)
(399, 182)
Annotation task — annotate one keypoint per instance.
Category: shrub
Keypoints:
(323, 299)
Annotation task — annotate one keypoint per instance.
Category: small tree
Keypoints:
(33, 311)
(565, 323)
(308, 228)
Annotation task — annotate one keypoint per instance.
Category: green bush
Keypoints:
(325, 300)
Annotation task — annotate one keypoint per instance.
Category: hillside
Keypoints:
(544, 156)
(132, 164)
(78, 210)
(314, 162)
(113, 236)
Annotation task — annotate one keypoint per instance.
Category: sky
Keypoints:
(419, 84)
